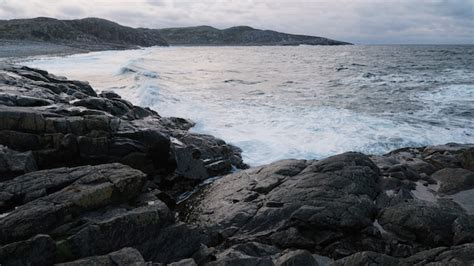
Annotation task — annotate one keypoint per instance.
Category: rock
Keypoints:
(467, 159)
(109, 95)
(236, 256)
(453, 180)
(367, 258)
(296, 258)
(456, 255)
(185, 262)
(176, 242)
(322, 200)
(250, 253)
(97, 186)
(39, 250)
(14, 163)
(419, 221)
(112, 230)
(125, 256)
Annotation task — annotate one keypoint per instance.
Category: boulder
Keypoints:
(296, 258)
(97, 186)
(38, 250)
(419, 221)
(103, 232)
(13, 163)
(367, 258)
(125, 256)
(453, 180)
(292, 203)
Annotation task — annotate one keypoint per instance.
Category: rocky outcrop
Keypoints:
(383, 208)
(87, 34)
(94, 173)
(88, 178)
(240, 35)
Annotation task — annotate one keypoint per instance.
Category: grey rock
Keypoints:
(97, 187)
(13, 163)
(453, 180)
(317, 199)
(424, 222)
(367, 258)
(39, 250)
(296, 258)
(184, 262)
(125, 256)
(114, 230)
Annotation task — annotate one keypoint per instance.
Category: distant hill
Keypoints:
(241, 35)
(88, 33)
(100, 34)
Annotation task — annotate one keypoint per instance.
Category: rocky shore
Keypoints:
(87, 178)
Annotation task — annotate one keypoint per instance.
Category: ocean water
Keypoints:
(296, 102)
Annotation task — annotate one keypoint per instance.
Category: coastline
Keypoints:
(89, 177)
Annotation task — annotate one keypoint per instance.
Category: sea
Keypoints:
(304, 102)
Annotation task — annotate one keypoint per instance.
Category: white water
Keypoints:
(296, 102)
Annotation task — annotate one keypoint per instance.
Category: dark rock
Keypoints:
(109, 95)
(322, 200)
(296, 258)
(453, 180)
(13, 163)
(467, 159)
(367, 258)
(39, 250)
(176, 242)
(97, 186)
(185, 262)
(424, 222)
(456, 255)
(115, 229)
(125, 256)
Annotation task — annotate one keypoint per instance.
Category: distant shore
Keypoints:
(13, 49)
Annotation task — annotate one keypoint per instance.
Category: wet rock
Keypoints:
(367, 258)
(453, 180)
(295, 258)
(185, 262)
(317, 199)
(173, 243)
(125, 256)
(467, 159)
(114, 229)
(97, 186)
(420, 221)
(13, 163)
(456, 255)
(39, 250)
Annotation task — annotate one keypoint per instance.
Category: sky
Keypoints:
(357, 21)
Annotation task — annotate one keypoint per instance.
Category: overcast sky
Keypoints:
(358, 21)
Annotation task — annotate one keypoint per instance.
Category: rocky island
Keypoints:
(240, 35)
(87, 178)
(40, 36)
